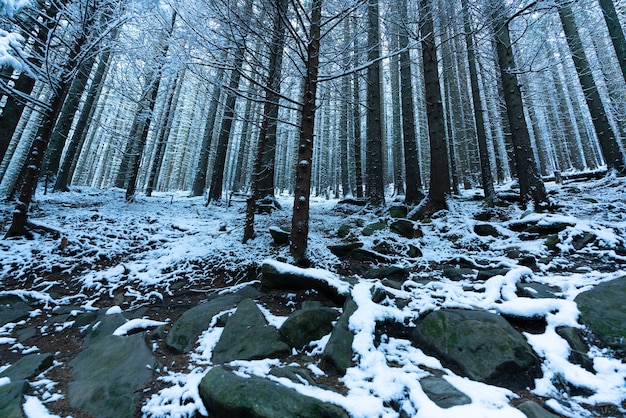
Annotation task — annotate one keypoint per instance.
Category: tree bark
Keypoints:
(608, 141)
(200, 178)
(531, 184)
(481, 133)
(615, 32)
(300, 217)
(439, 168)
(63, 175)
(413, 183)
(375, 186)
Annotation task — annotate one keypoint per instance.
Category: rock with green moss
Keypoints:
(11, 398)
(28, 367)
(109, 375)
(182, 336)
(480, 345)
(398, 211)
(338, 350)
(248, 336)
(373, 227)
(603, 310)
(306, 325)
(226, 394)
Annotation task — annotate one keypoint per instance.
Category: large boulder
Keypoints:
(11, 398)
(13, 311)
(247, 336)
(603, 310)
(338, 350)
(277, 275)
(182, 336)
(306, 325)
(226, 394)
(28, 367)
(109, 374)
(480, 345)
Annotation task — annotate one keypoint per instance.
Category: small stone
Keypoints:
(443, 393)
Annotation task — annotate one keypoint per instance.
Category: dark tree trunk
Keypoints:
(63, 125)
(199, 181)
(607, 138)
(219, 166)
(300, 217)
(33, 166)
(166, 127)
(413, 184)
(139, 133)
(481, 133)
(269, 126)
(531, 184)
(439, 168)
(375, 186)
(12, 112)
(64, 173)
(616, 32)
(263, 170)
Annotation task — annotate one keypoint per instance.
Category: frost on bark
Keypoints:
(300, 217)
(531, 184)
(439, 168)
(95, 88)
(616, 32)
(375, 187)
(481, 133)
(263, 169)
(606, 137)
(199, 181)
(413, 182)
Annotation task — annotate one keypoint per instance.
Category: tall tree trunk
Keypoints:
(64, 173)
(615, 32)
(375, 186)
(12, 111)
(62, 127)
(608, 141)
(300, 217)
(219, 166)
(269, 126)
(396, 123)
(199, 182)
(531, 184)
(344, 115)
(439, 168)
(33, 166)
(139, 133)
(166, 127)
(265, 157)
(413, 183)
(481, 133)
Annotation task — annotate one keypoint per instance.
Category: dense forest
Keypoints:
(339, 208)
(361, 98)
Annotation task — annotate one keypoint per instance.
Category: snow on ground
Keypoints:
(144, 249)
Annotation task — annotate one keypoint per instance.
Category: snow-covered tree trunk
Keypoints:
(300, 216)
(608, 141)
(439, 168)
(479, 120)
(531, 184)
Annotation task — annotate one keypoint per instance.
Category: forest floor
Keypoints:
(164, 254)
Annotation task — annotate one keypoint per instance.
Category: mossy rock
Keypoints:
(399, 211)
(226, 394)
(480, 345)
(344, 230)
(603, 310)
(373, 227)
